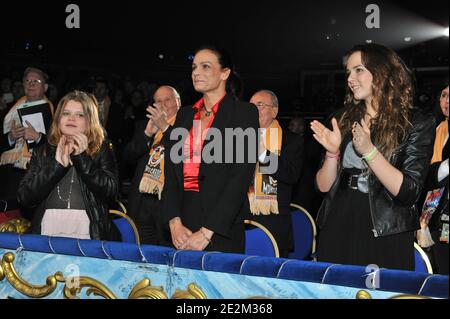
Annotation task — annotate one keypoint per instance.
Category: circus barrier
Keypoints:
(33, 266)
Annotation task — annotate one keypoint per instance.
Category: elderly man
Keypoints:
(20, 140)
(270, 193)
(146, 148)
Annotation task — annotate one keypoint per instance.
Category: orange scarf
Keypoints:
(262, 194)
(152, 181)
(439, 142)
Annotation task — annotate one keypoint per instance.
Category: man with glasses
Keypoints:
(18, 140)
(270, 193)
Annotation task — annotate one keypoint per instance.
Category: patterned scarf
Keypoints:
(434, 196)
(19, 156)
(152, 181)
(262, 194)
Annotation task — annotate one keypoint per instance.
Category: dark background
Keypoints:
(292, 47)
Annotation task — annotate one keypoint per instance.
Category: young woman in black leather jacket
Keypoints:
(377, 156)
(73, 177)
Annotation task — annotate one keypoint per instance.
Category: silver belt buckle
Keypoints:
(350, 182)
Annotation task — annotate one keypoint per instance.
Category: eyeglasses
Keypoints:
(261, 105)
(33, 82)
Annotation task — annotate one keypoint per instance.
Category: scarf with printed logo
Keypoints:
(434, 196)
(262, 194)
(152, 181)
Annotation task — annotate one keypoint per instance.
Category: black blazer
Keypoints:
(223, 186)
(290, 164)
(137, 152)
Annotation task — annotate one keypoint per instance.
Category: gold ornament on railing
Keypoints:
(193, 292)
(142, 290)
(362, 294)
(9, 272)
(19, 226)
(96, 288)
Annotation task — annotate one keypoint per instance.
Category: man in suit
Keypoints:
(270, 193)
(18, 141)
(147, 151)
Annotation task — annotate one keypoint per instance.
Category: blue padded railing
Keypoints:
(403, 282)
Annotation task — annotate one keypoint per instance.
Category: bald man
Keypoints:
(270, 194)
(146, 150)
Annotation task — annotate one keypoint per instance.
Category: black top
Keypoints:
(67, 190)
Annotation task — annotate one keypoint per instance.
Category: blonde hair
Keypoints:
(94, 130)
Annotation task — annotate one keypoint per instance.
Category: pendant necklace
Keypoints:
(70, 190)
(207, 113)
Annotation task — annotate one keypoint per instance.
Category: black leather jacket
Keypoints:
(395, 214)
(99, 183)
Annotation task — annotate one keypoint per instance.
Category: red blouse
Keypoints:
(193, 146)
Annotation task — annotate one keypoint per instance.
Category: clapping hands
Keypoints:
(70, 145)
(329, 139)
(157, 116)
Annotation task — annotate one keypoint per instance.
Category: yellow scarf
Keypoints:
(262, 194)
(439, 142)
(19, 156)
(152, 181)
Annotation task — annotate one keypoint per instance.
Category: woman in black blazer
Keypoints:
(205, 194)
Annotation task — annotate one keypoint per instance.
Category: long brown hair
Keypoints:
(392, 94)
(94, 130)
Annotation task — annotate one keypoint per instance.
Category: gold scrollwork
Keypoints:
(2, 273)
(21, 285)
(19, 226)
(96, 288)
(144, 290)
(193, 292)
(409, 297)
(362, 294)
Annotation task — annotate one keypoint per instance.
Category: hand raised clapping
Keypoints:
(80, 143)
(330, 140)
(158, 116)
(70, 145)
(63, 151)
(361, 137)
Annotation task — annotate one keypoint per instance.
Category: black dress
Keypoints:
(347, 237)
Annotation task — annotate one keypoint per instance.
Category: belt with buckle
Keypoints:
(349, 180)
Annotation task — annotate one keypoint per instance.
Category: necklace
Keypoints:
(207, 113)
(70, 190)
